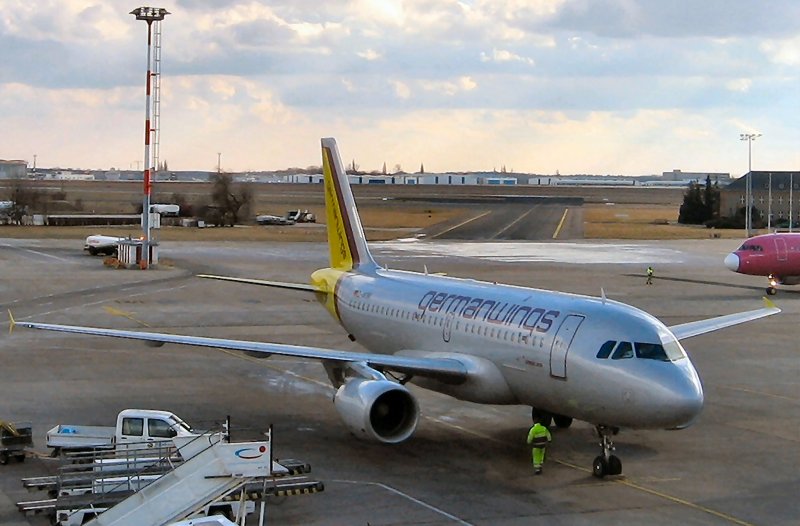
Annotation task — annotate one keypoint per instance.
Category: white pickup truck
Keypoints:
(134, 427)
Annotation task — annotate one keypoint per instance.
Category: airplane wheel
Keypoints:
(772, 291)
(614, 465)
(562, 421)
(599, 467)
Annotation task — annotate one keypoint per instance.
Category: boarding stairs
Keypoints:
(214, 468)
(146, 486)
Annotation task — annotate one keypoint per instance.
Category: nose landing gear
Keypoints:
(606, 464)
(773, 286)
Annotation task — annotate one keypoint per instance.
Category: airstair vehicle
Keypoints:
(201, 475)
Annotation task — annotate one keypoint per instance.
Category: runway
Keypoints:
(467, 464)
(541, 219)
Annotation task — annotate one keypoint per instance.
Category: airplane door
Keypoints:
(780, 245)
(561, 342)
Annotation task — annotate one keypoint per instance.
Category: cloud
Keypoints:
(369, 54)
(741, 85)
(449, 88)
(503, 55)
(401, 90)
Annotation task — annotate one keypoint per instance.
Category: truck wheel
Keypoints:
(3, 458)
(21, 457)
(92, 251)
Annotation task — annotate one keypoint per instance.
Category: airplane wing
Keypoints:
(264, 283)
(443, 368)
(696, 328)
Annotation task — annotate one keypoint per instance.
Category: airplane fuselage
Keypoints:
(774, 255)
(531, 346)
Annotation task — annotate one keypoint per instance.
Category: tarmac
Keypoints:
(467, 464)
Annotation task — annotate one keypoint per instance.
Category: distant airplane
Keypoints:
(776, 256)
(565, 355)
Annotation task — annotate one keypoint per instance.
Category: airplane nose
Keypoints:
(732, 262)
(688, 407)
(687, 401)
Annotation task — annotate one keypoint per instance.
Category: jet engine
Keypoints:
(378, 410)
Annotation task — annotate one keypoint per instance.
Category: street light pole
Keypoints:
(748, 215)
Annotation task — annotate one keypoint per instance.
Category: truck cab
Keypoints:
(135, 426)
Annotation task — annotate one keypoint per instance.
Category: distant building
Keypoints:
(13, 169)
(696, 177)
(785, 189)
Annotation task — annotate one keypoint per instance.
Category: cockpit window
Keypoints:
(623, 350)
(651, 351)
(751, 247)
(606, 349)
(674, 350)
(669, 351)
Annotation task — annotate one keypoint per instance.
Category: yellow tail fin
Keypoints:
(346, 240)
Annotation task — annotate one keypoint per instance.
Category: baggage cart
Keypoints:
(14, 439)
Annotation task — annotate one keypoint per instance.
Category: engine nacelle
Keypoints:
(377, 410)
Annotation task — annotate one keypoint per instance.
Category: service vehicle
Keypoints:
(99, 244)
(267, 219)
(134, 427)
(223, 510)
(14, 439)
(301, 216)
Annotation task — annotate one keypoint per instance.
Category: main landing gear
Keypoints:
(606, 464)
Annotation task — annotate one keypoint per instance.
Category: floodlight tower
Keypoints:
(153, 16)
(748, 213)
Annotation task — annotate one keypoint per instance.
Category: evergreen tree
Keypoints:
(699, 205)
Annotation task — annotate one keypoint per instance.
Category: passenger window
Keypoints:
(623, 350)
(651, 351)
(606, 349)
(160, 429)
(133, 426)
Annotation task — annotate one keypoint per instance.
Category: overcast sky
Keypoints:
(576, 86)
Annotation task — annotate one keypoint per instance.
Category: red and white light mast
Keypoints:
(151, 15)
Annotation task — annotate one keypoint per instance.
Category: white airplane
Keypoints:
(565, 355)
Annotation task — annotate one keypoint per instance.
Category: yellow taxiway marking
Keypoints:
(124, 314)
(471, 219)
(561, 223)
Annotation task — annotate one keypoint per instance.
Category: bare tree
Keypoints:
(24, 198)
(232, 201)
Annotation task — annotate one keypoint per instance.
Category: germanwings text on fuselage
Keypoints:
(497, 312)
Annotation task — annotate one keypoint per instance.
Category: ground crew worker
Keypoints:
(650, 273)
(538, 437)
